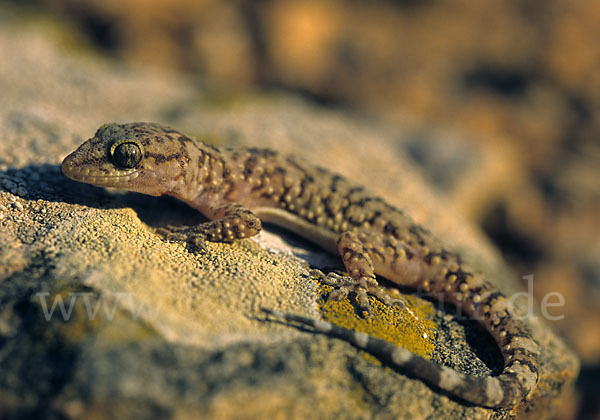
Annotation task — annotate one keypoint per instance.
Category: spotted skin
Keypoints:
(231, 221)
(237, 189)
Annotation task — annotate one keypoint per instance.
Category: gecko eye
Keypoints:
(127, 154)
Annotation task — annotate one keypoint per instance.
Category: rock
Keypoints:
(102, 318)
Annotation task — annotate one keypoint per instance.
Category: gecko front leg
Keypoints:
(231, 221)
(361, 279)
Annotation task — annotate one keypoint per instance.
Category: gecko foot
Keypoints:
(343, 285)
(187, 234)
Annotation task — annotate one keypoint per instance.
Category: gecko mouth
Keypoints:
(103, 178)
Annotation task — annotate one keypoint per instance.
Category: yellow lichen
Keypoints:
(411, 327)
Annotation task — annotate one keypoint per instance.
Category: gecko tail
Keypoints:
(502, 391)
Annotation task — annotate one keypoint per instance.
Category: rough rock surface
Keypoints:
(150, 329)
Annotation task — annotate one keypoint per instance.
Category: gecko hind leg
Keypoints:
(361, 280)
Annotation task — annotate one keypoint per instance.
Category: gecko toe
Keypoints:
(363, 301)
(171, 233)
(338, 294)
(183, 234)
(384, 297)
(344, 285)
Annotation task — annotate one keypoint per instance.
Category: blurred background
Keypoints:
(519, 80)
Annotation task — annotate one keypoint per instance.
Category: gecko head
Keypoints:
(143, 157)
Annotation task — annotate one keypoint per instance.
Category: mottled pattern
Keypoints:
(236, 189)
(233, 221)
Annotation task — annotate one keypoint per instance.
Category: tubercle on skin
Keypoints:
(232, 186)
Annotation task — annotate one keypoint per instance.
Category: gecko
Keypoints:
(239, 189)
